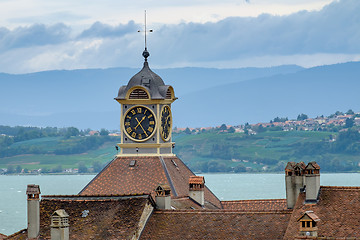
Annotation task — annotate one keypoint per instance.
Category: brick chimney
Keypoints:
(163, 196)
(294, 181)
(312, 180)
(59, 225)
(196, 189)
(33, 211)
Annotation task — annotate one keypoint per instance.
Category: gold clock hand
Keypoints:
(139, 123)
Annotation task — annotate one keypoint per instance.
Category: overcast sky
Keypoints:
(37, 35)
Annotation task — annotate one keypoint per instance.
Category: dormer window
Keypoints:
(163, 190)
(138, 93)
(308, 222)
(168, 94)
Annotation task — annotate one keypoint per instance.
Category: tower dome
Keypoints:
(148, 81)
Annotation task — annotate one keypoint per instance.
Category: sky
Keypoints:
(39, 35)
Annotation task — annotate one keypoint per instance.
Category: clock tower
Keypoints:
(146, 119)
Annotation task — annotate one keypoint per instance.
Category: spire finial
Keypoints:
(145, 53)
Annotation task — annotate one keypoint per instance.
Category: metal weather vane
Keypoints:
(145, 54)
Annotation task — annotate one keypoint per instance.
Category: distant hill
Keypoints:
(84, 98)
(314, 91)
(207, 97)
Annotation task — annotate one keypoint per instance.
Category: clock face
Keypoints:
(166, 123)
(139, 123)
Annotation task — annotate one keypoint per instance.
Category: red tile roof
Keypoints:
(185, 202)
(256, 205)
(337, 209)
(216, 224)
(196, 180)
(120, 178)
(107, 217)
(20, 235)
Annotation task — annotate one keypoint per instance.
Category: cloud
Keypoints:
(307, 38)
(99, 29)
(35, 35)
(333, 30)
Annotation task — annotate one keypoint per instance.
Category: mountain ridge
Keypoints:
(73, 98)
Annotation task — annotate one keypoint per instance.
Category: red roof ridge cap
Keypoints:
(255, 200)
(340, 187)
(219, 211)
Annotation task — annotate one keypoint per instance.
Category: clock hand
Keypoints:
(139, 123)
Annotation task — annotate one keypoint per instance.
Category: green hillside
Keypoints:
(214, 150)
(103, 154)
(267, 151)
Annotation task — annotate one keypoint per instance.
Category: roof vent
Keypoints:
(168, 94)
(85, 213)
(138, 94)
(132, 163)
(174, 163)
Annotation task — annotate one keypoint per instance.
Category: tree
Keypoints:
(72, 131)
(97, 166)
(104, 132)
(57, 169)
(82, 167)
(240, 168)
(349, 122)
(10, 169)
(18, 169)
(223, 127)
(187, 131)
(277, 119)
(350, 112)
(231, 130)
(302, 116)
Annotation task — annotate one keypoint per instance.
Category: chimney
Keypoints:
(196, 189)
(163, 196)
(294, 181)
(312, 181)
(59, 225)
(33, 208)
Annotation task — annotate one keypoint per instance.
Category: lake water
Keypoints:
(225, 186)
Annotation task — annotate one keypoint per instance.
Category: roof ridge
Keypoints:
(254, 200)
(168, 176)
(340, 187)
(207, 211)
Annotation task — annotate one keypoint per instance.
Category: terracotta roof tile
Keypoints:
(180, 175)
(20, 235)
(216, 224)
(256, 205)
(119, 178)
(337, 209)
(105, 218)
(185, 202)
(196, 180)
